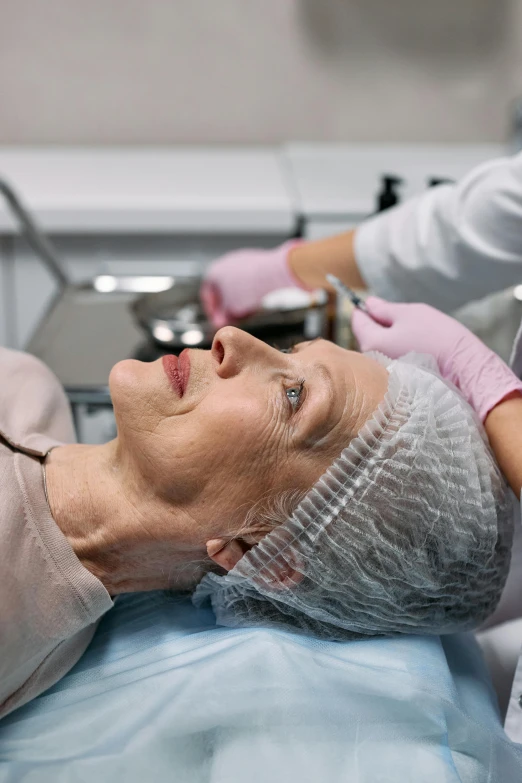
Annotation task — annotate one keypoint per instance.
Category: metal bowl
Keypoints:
(175, 318)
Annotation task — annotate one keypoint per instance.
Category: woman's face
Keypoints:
(222, 429)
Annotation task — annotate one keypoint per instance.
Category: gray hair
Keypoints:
(268, 513)
(261, 517)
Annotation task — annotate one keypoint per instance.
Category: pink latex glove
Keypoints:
(482, 377)
(236, 283)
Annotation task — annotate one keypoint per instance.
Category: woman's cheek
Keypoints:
(226, 417)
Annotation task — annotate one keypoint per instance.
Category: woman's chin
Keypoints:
(123, 375)
(131, 382)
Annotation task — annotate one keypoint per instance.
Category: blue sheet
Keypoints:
(163, 695)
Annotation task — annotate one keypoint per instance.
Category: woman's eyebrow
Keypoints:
(317, 422)
(307, 343)
(324, 370)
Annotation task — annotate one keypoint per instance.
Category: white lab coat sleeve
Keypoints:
(452, 244)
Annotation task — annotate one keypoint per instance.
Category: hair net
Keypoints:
(408, 531)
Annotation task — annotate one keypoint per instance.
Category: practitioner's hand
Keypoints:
(396, 329)
(236, 283)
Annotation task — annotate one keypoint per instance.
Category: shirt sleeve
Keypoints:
(452, 244)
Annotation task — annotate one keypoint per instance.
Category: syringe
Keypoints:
(343, 291)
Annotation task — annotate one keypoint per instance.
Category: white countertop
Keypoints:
(334, 180)
(205, 190)
(217, 190)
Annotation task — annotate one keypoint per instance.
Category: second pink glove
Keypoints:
(396, 329)
(236, 283)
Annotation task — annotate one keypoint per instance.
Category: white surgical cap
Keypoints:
(408, 531)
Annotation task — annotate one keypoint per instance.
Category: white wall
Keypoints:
(175, 71)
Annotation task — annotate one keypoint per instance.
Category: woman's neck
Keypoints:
(121, 532)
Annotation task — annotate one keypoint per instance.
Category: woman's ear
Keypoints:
(225, 553)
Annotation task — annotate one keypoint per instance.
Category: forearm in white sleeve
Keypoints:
(452, 244)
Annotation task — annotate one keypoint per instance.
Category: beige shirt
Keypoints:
(49, 603)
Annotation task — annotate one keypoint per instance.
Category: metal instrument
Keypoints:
(344, 292)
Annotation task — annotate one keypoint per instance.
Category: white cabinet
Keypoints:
(86, 256)
(136, 211)
(172, 211)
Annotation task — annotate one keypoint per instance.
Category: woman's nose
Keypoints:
(233, 349)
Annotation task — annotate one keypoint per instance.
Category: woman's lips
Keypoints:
(177, 370)
(184, 368)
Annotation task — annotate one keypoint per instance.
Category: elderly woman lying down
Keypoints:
(341, 494)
